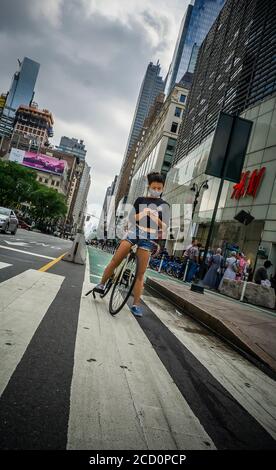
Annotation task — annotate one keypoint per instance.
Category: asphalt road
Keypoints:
(28, 250)
(74, 377)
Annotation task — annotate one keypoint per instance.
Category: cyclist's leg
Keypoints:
(143, 257)
(121, 253)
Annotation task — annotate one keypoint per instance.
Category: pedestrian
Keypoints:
(242, 265)
(231, 268)
(193, 254)
(147, 216)
(261, 273)
(186, 253)
(213, 277)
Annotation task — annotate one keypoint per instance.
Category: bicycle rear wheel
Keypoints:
(123, 285)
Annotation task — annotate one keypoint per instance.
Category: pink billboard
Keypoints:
(39, 161)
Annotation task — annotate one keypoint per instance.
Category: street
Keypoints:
(74, 377)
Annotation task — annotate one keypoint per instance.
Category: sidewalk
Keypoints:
(252, 330)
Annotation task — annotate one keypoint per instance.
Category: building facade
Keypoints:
(196, 23)
(234, 73)
(151, 87)
(81, 199)
(122, 190)
(33, 122)
(107, 217)
(155, 148)
(72, 146)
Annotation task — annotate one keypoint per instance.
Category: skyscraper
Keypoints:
(152, 85)
(196, 23)
(21, 92)
(22, 86)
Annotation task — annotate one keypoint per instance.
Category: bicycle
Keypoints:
(122, 282)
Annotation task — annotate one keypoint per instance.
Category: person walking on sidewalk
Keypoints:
(149, 216)
(213, 276)
(231, 268)
(193, 261)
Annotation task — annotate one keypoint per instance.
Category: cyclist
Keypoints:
(148, 218)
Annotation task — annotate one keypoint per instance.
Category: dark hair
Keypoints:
(267, 264)
(155, 178)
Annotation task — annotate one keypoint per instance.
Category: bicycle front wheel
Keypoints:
(123, 285)
(107, 288)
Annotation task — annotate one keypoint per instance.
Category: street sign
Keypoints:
(227, 154)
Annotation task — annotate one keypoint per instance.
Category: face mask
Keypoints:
(155, 193)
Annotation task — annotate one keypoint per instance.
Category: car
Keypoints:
(8, 221)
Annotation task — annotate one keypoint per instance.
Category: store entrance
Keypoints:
(245, 238)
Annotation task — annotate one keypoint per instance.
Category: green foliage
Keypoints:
(18, 185)
(47, 204)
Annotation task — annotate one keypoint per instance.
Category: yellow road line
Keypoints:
(49, 265)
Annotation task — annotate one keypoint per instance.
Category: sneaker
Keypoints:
(137, 311)
(99, 288)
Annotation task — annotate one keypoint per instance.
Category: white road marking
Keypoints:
(38, 244)
(253, 389)
(122, 396)
(25, 252)
(16, 243)
(4, 265)
(25, 299)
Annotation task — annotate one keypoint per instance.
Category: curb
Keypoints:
(225, 329)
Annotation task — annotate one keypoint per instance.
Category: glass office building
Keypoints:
(151, 87)
(22, 86)
(235, 73)
(197, 21)
(21, 92)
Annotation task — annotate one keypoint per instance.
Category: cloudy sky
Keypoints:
(93, 56)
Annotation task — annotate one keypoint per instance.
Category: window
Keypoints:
(40, 179)
(177, 112)
(53, 182)
(174, 127)
(46, 181)
(57, 183)
(182, 98)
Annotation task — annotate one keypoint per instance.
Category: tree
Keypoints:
(47, 206)
(17, 184)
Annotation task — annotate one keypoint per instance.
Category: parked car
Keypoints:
(8, 221)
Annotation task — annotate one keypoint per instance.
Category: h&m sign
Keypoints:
(249, 184)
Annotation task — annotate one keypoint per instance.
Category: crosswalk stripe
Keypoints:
(25, 299)
(122, 396)
(25, 252)
(4, 265)
(253, 389)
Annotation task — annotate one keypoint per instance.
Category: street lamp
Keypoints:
(197, 189)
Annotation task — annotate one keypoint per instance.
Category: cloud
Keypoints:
(93, 57)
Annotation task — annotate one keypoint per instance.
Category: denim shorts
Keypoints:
(141, 242)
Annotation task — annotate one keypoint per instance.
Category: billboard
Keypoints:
(38, 161)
